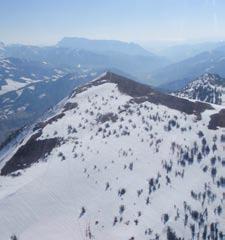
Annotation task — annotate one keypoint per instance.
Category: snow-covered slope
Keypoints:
(118, 160)
(208, 88)
(75, 53)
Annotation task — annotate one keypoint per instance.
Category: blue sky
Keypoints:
(47, 21)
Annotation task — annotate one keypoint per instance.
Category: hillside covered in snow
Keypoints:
(117, 160)
(207, 88)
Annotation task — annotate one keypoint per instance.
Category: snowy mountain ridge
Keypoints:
(118, 160)
(207, 88)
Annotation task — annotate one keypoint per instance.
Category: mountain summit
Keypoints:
(117, 160)
(103, 46)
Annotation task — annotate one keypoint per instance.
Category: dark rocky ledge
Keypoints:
(29, 153)
(41, 125)
(217, 120)
(69, 106)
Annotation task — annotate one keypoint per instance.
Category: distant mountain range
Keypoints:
(177, 75)
(73, 53)
(104, 46)
(180, 52)
(130, 58)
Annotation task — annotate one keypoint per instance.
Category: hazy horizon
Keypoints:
(143, 21)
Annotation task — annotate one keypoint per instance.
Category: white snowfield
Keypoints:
(134, 176)
(11, 85)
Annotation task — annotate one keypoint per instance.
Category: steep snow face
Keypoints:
(121, 169)
(208, 88)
